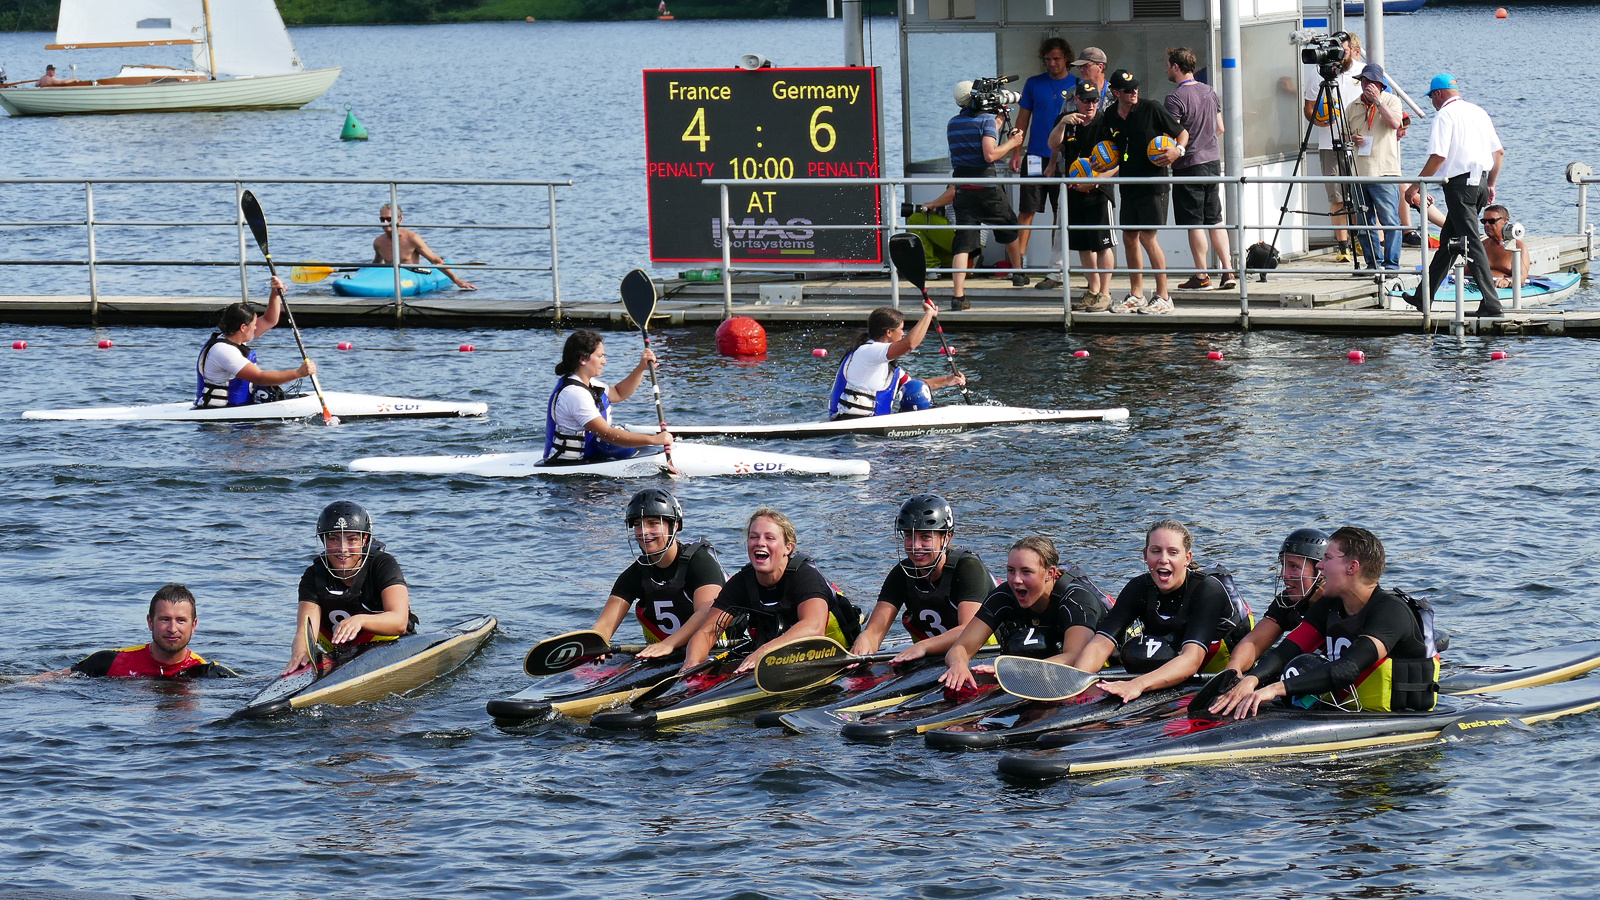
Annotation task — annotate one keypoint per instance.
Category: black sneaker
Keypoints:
(1411, 239)
(957, 304)
(1019, 280)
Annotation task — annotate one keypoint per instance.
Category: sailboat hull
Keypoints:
(288, 91)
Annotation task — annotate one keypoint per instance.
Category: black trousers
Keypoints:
(1463, 204)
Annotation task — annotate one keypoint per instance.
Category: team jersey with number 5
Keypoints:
(665, 596)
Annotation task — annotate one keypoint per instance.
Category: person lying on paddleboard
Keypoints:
(413, 249)
(938, 586)
(1035, 613)
(869, 384)
(781, 591)
(1375, 648)
(577, 423)
(227, 374)
(1302, 586)
(1190, 619)
(673, 583)
(354, 592)
(172, 619)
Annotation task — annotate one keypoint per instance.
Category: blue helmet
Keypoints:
(916, 396)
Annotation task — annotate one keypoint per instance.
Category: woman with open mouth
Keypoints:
(1189, 619)
(781, 591)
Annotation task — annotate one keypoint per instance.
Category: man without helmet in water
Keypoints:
(172, 619)
(354, 593)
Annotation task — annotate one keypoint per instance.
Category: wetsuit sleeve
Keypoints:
(1339, 674)
(1072, 611)
(973, 582)
(1122, 614)
(703, 570)
(627, 584)
(993, 610)
(1209, 608)
(385, 572)
(95, 665)
(893, 591)
(1287, 615)
(208, 670)
(1303, 639)
(308, 584)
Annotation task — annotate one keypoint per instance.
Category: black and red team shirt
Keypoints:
(665, 596)
(364, 596)
(137, 662)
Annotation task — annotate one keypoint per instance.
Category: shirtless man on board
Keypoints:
(413, 249)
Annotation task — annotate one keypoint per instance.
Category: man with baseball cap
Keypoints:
(1131, 124)
(1091, 66)
(1464, 148)
(1374, 120)
(50, 79)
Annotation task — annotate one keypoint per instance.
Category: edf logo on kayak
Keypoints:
(744, 468)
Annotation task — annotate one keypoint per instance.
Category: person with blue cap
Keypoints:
(1464, 148)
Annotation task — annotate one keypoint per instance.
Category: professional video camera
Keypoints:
(1326, 52)
(988, 95)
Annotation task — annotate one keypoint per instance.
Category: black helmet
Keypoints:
(656, 502)
(925, 512)
(343, 515)
(1311, 543)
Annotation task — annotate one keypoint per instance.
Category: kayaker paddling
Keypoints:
(669, 583)
(578, 417)
(869, 384)
(413, 249)
(782, 592)
(354, 593)
(1035, 613)
(172, 619)
(938, 587)
(227, 373)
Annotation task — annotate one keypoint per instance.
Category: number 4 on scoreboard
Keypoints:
(691, 136)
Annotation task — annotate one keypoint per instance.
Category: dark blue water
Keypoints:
(1478, 475)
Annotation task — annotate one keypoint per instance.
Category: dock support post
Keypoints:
(1516, 274)
(1233, 145)
(94, 275)
(394, 247)
(891, 204)
(1458, 325)
(727, 258)
(555, 265)
(238, 210)
(1062, 225)
(1424, 289)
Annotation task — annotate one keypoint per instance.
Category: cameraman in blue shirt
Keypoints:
(974, 136)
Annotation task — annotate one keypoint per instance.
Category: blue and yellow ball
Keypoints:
(1159, 145)
(1080, 168)
(1105, 157)
(1326, 111)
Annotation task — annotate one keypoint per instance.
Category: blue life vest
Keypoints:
(235, 393)
(583, 446)
(846, 402)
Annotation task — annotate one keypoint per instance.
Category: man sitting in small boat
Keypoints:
(50, 79)
(577, 424)
(672, 583)
(1359, 646)
(172, 619)
(1495, 219)
(354, 593)
(227, 373)
(868, 384)
(413, 249)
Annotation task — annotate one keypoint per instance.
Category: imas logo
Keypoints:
(770, 236)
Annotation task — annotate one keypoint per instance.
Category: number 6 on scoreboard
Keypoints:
(818, 127)
(690, 136)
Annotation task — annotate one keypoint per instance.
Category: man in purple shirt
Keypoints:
(1199, 110)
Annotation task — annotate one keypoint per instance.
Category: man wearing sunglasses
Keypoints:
(1495, 218)
(1073, 138)
(413, 249)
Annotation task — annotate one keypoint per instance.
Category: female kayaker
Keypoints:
(868, 382)
(782, 593)
(226, 373)
(1188, 616)
(354, 593)
(577, 425)
(938, 587)
(1035, 613)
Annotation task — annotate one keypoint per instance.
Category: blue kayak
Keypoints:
(378, 281)
(1541, 290)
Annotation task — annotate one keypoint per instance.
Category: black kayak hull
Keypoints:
(578, 693)
(1026, 721)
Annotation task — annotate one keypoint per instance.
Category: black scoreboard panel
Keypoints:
(766, 124)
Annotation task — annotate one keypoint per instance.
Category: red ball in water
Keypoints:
(346, 345)
(1357, 356)
(19, 345)
(1498, 354)
(1215, 354)
(820, 352)
(467, 348)
(947, 351)
(1081, 354)
(742, 336)
(105, 344)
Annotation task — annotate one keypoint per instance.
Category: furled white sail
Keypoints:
(130, 23)
(247, 38)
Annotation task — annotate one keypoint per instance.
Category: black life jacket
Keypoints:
(844, 623)
(1038, 638)
(928, 613)
(668, 599)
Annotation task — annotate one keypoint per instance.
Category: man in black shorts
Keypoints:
(1131, 124)
(1199, 110)
(1073, 139)
(975, 147)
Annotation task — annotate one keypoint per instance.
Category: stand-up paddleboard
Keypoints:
(378, 281)
(938, 420)
(296, 406)
(696, 460)
(399, 666)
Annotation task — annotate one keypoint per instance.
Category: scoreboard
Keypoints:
(762, 124)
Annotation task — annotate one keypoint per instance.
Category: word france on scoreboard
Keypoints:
(762, 124)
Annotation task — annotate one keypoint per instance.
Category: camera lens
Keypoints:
(907, 210)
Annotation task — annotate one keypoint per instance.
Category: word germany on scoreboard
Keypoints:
(761, 124)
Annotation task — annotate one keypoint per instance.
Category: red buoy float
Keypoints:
(1498, 354)
(105, 344)
(1356, 356)
(1081, 354)
(1215, 354)
(742, 336)
(467, 348)
(346, 345)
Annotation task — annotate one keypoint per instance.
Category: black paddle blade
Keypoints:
(1220, 683)
(563, 652)
(1038, 679)
(905, 249)
(256, 219)
(639, 297)
(801, 663)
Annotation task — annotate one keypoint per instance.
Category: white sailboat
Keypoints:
(243, 59)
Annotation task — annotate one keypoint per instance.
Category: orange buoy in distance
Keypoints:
(1500, 13)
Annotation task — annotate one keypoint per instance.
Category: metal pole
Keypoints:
(854, 51)
(1583, 207)
(1516, 275)
(94, 276)
(1233, 143)
(238, 209)
(1062, 224)
(555, 265)
(1375, 33)
(394, 247)
(890, 203)
(1236, 189)
(1424, 289)
(727, 258)
(1458, 325)
(1336, 15)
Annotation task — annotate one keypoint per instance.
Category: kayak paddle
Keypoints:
(1220, 683)
(807, 662)
(1039, 679)
(258, 227)
(565, 651)
(313, 273)
(905, 250)
(639, 296)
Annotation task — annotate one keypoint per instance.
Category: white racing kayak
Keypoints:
(695, 460)
(296, 406)
(938, 420)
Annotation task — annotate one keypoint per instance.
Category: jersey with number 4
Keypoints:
(665, 596)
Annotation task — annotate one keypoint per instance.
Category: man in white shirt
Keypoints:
(1464, 148)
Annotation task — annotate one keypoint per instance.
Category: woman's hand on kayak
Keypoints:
(1251, 703)
(346, 631)
(958, 677)
(1244, 688)
(296, 661)
(1128, 690)
(652, 651)
(915, 651)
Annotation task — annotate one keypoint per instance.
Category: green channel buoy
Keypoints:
(353, 130)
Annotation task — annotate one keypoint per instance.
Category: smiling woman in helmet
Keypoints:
(672, 582)
(354, 592)
(938, 586)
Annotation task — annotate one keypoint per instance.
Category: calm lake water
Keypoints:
(1478, 475)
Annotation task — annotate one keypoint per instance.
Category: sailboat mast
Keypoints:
(211, 47)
